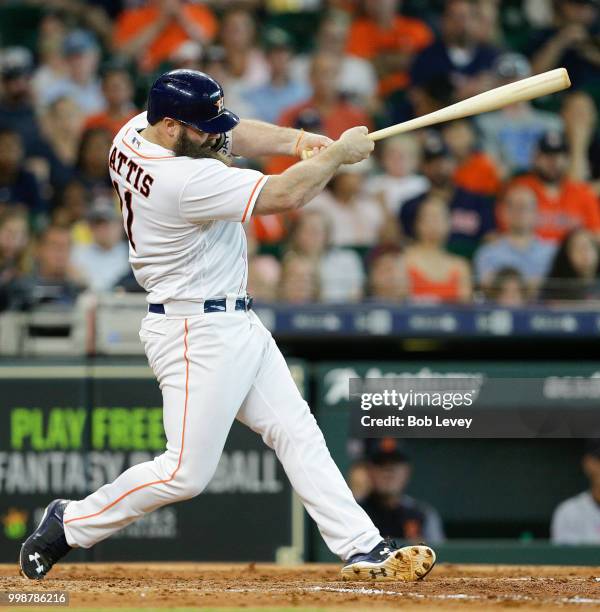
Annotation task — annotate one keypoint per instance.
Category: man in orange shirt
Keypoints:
(118, 93)
(390, 40)
(152, 33)
(563, 203)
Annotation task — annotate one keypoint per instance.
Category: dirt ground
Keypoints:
(313, 587)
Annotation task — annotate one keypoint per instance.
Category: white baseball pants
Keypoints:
(212, 368)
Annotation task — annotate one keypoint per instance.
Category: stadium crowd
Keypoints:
(504, 207)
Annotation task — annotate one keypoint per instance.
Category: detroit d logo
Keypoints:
(39, 567)
(220, 104)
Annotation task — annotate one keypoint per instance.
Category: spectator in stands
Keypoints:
(571, 43)
(14, 252)
(355, 218)
(51, 62)
(299, 280)
(91, 166)
(103, 262)
(151, 33)
(387, 278)
(269, 100)
(488, 31)
(471, 214)
(457, 53)
(61, 124)
(388, 39)
(518, 247)
(264, 274)
(70, 210)
(81, 84)
(92, 14)
(562, 202)
(335, 115)
(245, 63)
(118, 93)
(419, 99)
(356, 80)
(510, 135)
(581, 131)
(577, 519)
(394, 513)
(475, 171)
(508, 288)
(18, 185)
(341, 274)
(575, 271)
(399, 181)
(16, 97)
(53, 280)
(433, 274)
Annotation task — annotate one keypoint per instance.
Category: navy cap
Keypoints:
(193, 98)
(309, 119)
(553, 142)
(385, 450)
(16, 62)
(434, 147)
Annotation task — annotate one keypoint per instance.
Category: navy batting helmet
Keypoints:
(193, 98)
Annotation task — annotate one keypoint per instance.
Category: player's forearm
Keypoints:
(299, 184)
(253, 138)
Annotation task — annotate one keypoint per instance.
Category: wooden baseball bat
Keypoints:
(519, 91)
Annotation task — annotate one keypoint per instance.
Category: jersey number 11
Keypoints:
(129, 217)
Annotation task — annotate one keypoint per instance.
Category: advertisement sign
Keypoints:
(67, 430)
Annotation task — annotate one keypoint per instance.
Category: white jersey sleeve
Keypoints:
(217, 192)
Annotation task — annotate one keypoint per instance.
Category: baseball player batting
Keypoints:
(183, 209)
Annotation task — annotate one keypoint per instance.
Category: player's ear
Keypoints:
(171, 126)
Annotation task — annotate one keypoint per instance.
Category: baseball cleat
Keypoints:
(47, 544)
(388, 562)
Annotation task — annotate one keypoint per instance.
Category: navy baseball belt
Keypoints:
(214, 305)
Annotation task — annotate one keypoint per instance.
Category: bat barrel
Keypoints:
(519, 91)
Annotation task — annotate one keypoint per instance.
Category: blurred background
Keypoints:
(471, 249)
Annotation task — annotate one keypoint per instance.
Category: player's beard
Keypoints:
(185, 147)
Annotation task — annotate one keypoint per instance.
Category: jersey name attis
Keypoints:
(131, 171)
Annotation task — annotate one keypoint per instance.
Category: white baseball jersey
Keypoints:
(183, 218)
